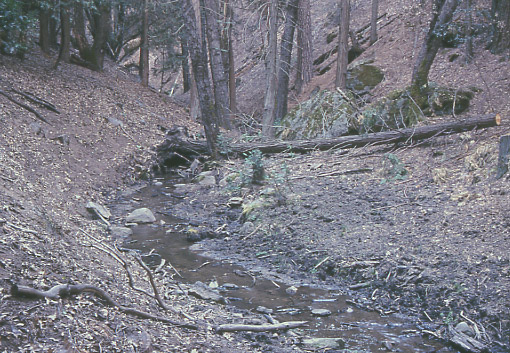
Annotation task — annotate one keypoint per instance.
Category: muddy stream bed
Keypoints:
(329, 312)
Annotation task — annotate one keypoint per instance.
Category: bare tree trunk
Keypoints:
(229, 17)
(53, 28)
(468, 29)
(501, 26)
(270, 98)
(186, 79)
(44, 29)
(442, 15)
(144, 47)
(65, 34)
(101, 30)
(373, 21)
(199, 64)
(304, 46)
(343, 48)
(282, 92)
(219, 77)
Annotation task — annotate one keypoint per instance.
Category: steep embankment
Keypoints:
(101, 140)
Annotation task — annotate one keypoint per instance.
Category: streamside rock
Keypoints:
(120, 232)
(203, 291)
(98, 210)
(141, 215)
(324, 343)
(321, 312)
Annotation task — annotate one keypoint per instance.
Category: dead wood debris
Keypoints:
(260, 328)
(64, 290)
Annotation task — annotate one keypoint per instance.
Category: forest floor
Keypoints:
(426, 235)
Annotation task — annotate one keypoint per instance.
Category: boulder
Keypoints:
(324, 343)
(141, 215)
(98, 210)
(120, 232)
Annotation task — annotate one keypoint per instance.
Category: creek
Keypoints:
(256, 290)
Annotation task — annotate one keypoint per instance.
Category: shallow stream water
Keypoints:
(362, 331)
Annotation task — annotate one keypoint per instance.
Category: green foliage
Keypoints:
(223, 144)
(16, 21)
(394, 168)
(255, 166)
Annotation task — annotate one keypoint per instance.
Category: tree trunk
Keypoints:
(282, 92)
(53, 28)
(468, 30)
(270, 98)
(144, 47)
(65, 34)
(219, 76)
(44, 29)
(442, 15)
(373, 21)
(343, 48)
(229, 17)
(501, 26)
(79, 34)
(201, 75)
(186, 79)
(193, 148)
(304, 64)
(100, 32)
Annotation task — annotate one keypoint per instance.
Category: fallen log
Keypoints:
(65, 290)
(260, 328)
(177, 144)
(33, 111)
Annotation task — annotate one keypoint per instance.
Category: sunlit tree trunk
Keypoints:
(343, 49)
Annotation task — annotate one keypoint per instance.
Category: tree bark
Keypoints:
(65, 34)
(219, 76)
(100, 32)
(373, 22)
(442, 15)
(229, 16)
(270, 98)
(44, 29)
(201, 75)
(186, 79)
(287, 42)
(343, 48)
(304, 66)
(144, 47)
(408, 135)
(501, 26)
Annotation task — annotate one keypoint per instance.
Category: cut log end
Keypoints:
(498, 119)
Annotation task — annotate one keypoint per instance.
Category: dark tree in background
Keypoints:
(65, 33)
(144, 47)
(44, 26)
(304, 63)
(343, 47)
(443, 13)
(500, 12)
(282, 92)
(198, 55)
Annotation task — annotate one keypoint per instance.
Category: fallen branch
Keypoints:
(176, 143)
(66, 290)
(260, 328)
(37, 100)
(39, 116)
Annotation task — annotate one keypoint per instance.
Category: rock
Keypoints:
(120, 232)
(115, 122)
(202, 291)
(247, 228)
(152, 260)
(325, 115)
(463, 327)
(264, 310)
(209, 180)
(37, 129)
(362, 77)
(98, 210)
(230, 286)
(158, 183)
(324, 343)
(63, 139)
(291, 290)
(321, 312)
(235, 202)
(141, 215)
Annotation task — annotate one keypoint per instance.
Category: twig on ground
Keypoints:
(260, 328)
(33, 111)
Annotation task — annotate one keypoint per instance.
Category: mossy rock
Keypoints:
(325, 115)
(399, 110)
(363, 77)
